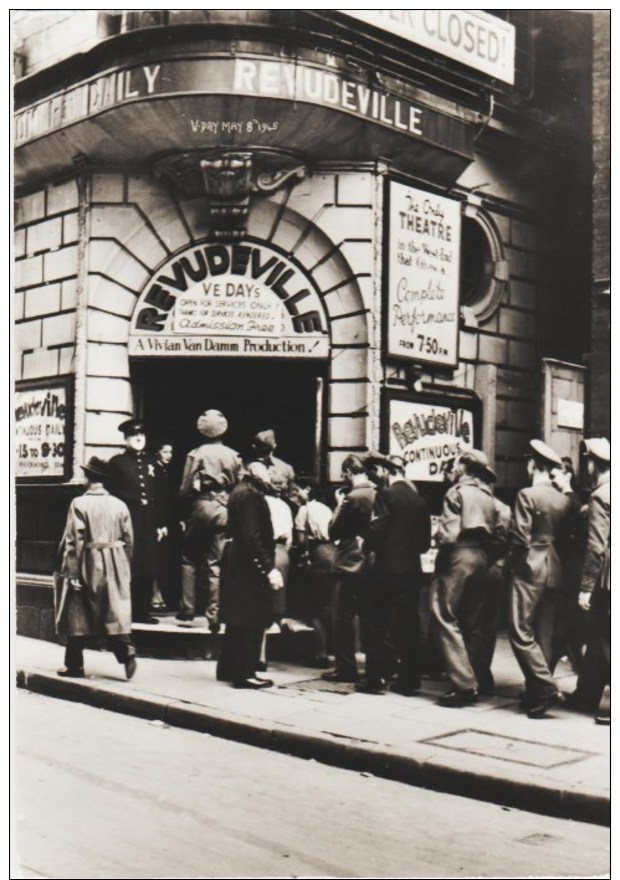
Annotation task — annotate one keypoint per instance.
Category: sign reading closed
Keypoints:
(234, 300)
(428, 436)
(41, 432)
(423, 276)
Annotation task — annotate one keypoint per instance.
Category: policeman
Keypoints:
(132, 478)
(540, 521)
(213, 458)
(264, 446)
(464, 533)
(595, 596)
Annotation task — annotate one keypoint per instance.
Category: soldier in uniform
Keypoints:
(540, 520)
(595, 589)
(213, 458)
(264, 446)
(132, 477)
(464, 533)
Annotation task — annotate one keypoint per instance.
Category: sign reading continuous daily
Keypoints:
(239, 300)
(428, 437)
(40, 427)
(470, 36)
(253, 77)
(423, 276)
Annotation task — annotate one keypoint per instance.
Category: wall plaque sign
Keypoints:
(42, 430)
(424, 240)
(428, 436)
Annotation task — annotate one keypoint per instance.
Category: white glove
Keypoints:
(584, 600)
(275, 579)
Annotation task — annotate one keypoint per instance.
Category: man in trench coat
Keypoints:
(92, 581)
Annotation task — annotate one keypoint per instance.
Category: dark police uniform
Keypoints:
(132, 477)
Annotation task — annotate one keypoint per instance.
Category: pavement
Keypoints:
(558, 765)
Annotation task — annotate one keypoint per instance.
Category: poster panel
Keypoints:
(423, 276)
(42, 431)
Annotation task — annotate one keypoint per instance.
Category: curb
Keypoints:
(347, 754)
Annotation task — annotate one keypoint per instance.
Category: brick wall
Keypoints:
(45, 278)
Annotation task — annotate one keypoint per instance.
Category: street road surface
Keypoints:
(102, 795)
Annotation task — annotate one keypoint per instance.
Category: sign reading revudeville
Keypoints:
(470, 36)
(427, 436)
(40, 432)
(423, 276)
(238, 300)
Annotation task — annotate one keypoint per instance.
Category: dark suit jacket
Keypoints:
(401, 529)
(246, 596)
(348, 526)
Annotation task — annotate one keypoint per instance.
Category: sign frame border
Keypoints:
(66, 381)
(431, 365)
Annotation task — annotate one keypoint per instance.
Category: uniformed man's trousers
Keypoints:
(533, 615)
(240, 653)
(596, 666)
(460, 567)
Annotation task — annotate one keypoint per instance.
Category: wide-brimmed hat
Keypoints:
(597, 447)
(95, 468)
(378, 458)
(131, 426)
(545, 452)
(212, 424)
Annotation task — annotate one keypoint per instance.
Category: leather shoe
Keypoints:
(71, 673)
(261, 666)
(214, 628)
(253, 683)
(371, 687)
(405, 690)
(540, 708)
(130, 667)
(184, 617)
(457, 699)
(334, 675)
(319, 663)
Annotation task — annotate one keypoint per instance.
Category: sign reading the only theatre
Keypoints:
(237, 300)
(41, 432)
(428, 436)
(423, 276)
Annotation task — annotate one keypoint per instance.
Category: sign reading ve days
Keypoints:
(234, 300)
(428, 436)
(423, 276)
(41, 432)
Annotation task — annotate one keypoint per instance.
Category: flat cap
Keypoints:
(212, 424)
(541, 450)
(131, 426)
(265, 439)
(378, 458)
(479, 460)
(597, 447)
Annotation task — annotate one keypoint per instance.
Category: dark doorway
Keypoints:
(253, 395)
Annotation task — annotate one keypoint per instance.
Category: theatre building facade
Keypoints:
(361, 229)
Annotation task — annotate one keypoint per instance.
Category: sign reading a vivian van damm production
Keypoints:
(231, 300)
(424, 242)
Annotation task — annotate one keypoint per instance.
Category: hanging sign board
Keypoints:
(424, 239)
(428, 436)
(41, 431)
(470, 36)
(237, 300)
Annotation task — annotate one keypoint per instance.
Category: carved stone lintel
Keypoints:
(227, 179)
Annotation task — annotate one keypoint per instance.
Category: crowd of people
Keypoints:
(251, 542)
